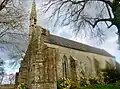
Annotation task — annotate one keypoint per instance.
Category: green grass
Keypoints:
(108, 86)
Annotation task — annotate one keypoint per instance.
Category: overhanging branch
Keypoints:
(108, 10)
(101, 20)
(76, 2)
(3, 4)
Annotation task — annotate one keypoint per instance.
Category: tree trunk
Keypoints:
(1, 80)
(118, 33)
(116, 21)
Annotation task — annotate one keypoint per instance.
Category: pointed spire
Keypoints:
(33, 19)
(33, 15)
(34, 6)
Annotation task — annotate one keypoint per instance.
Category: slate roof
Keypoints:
(52, 39)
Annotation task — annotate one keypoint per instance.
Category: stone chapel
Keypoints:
(49, 58)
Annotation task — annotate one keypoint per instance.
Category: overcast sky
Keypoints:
(110, 43)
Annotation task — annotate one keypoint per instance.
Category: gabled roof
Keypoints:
(52, 39)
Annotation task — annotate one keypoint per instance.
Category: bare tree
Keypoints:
(86, 13)
(3, 3)
(13, 20)
(1, 70)
(12, 78)
(13, 17)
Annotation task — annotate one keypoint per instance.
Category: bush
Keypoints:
(91, 81)
(63, 84)
(103, 86)
(111, 75)
(67, 84)
(22, 86)
(107, 77)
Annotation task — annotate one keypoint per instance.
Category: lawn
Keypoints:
(108, 86)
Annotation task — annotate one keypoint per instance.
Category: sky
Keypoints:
(110, 43)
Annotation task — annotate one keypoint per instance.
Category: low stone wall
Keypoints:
(7, 86)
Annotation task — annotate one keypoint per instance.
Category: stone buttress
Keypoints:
(38, 68)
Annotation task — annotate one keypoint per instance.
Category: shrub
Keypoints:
(67, 84)
(63, 84)
(91, 81)
(111, 75)
(22, 86)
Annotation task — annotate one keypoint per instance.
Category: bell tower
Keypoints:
(33, 19)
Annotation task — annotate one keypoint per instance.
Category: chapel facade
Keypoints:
(50, 58)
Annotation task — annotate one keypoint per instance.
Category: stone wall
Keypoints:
(7, 86)
(84, 63)
(45, 70)
(38, 68)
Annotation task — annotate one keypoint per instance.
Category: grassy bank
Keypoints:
(108, 86)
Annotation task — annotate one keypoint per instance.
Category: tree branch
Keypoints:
(100, 20)
(75, 2)
(108, 10)
(3, 4)
(105, 1)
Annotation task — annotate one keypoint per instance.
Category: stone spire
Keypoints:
(33, 14)
(33, 18)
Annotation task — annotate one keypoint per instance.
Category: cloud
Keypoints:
(109, 44)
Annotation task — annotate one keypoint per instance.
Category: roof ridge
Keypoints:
(61, 41)
(76, 42)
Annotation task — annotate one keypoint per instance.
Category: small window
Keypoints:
(35, 20)
(73, 68)
(108, 65)
(64, 66)
(97, 67)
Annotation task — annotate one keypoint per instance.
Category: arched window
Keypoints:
(108, 65)
(73, 69)
(89, 66)
(65, 66)
(97, 67)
